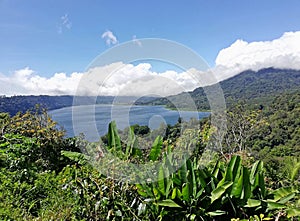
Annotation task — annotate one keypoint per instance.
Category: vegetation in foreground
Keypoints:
(254, 176)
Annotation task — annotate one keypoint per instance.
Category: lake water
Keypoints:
(93, 120)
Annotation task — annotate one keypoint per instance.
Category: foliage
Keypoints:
(276, 140)
(30, 148)
(241, 125)
(34, 136)
(200, 194)
(43, 175)
(257, 88)
(16, 104)
(22, 103)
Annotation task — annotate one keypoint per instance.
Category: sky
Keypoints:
(46, 46)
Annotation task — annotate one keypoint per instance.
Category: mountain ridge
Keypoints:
(22, 103)
(255, 87)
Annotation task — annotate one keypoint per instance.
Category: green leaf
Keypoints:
(168, 180)
(142, 193)
(75, 156)
(161, 180)
(255, 182)
(246, 185)
(287, 198)
(177, 181)
(274, 205)
(168, 203)
(257, 167)
(216, 213)
(156, 149)
(199, 193)
(156, 193)
(144, 190)
(295, 171)
(192, 217)
(236, 167)
(253, 203)
(113, 137)
(178, 193)
(293, 212)
(168, 183)
(262, 184)
(281, 193)
(232, 168)
(219, 191)
(237, 186)
(186, 192)
(132, 145)
(192, 179)
(183, 173)
(174, 191)
(216, 169)
(201, 176)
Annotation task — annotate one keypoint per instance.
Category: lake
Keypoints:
(93, 120)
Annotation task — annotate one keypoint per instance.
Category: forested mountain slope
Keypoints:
(257, 88)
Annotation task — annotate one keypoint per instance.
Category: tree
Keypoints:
(241, 123)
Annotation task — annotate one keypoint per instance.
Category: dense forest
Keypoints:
(15, 104)
(258, 88)
(253, 176)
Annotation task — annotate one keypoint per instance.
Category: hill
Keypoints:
(257, 88)
(15, 104)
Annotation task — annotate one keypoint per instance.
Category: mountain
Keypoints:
(15, 104)
(254, 87)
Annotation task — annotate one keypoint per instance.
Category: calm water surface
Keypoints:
(93, 120)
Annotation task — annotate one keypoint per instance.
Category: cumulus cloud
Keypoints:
(134, 80)
(27, 82)
(128, 79)
(117, 79)
(110, 38)
(65, 23)
(283, 52)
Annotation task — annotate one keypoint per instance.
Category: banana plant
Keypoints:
(182, 192)
(194, 192)
(222, 192)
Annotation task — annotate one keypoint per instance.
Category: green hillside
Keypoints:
(254, 176)
(257, 88)
(22, 103)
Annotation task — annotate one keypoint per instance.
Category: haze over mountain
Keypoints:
(123, 79)
(22, 103)
(253, 87)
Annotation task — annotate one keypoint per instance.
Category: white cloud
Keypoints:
(26, 82)
(65, 23)
(283, 52)
(127, 79)
(110, 38)
(114, 79)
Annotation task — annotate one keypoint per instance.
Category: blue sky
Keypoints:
(65, 36)
(30, 33)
